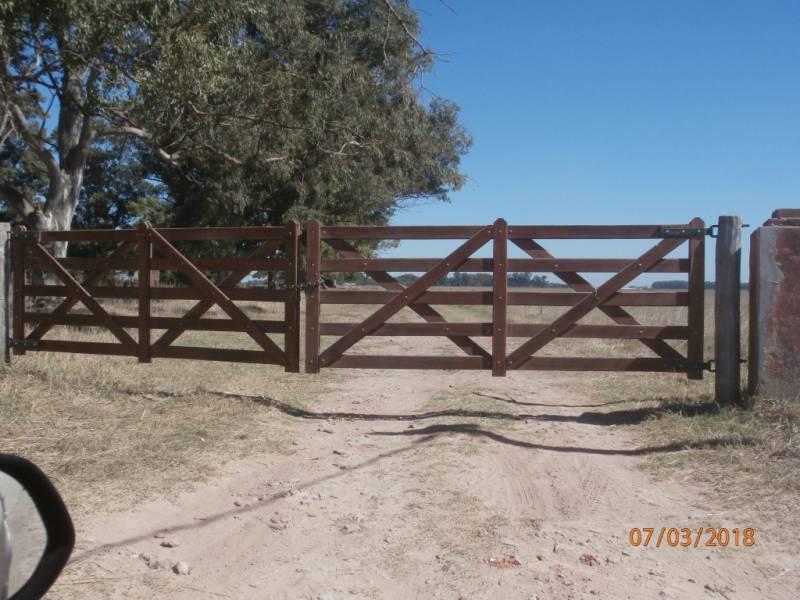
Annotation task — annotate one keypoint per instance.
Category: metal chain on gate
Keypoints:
(308, 285)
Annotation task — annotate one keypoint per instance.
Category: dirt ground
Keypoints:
(429, 484)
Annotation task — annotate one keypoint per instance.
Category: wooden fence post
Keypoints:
(727, 298)
(145, 254)
(291, 345)
(499, 297)
(697, 303)
(5, 286)
(17, 247)
(313, 265)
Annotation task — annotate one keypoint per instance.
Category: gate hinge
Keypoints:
(712, 231)
(683, 232)
(24, 344)
(690, 232)
(25, 235)
(710, 365)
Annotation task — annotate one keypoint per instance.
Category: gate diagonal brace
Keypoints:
(219, 297)
(86, 298)
(426, 311)
(66, 305)
(584, 306)
(451, 262)
(617, 313)
(203, 306)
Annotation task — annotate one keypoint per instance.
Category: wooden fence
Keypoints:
(141, 251)
(277, 249)
(609, 298)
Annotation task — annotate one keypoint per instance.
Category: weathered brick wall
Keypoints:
(774, 360)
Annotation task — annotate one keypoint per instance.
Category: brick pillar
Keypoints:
(774, 357)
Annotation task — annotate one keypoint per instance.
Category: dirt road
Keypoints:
(429, 485)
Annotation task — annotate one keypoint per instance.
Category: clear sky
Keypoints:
(618, 111)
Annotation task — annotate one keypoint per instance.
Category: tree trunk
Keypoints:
(73, 136)
(62, 197)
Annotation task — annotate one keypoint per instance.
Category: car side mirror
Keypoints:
(36, 531)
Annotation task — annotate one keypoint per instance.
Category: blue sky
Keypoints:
(618, 111)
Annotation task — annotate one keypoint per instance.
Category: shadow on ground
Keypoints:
(477, 431)
(630, 416)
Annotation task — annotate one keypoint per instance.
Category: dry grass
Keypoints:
(755, 469)
(757, 466)
(111, 431)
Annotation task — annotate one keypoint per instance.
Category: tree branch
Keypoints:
(33, 141)
(138, 132)
(86, 135)
(232, 159)
(16, 200)
(243, 117)
(425, 51)
(6, 127)
(341, 151)
(172, 158)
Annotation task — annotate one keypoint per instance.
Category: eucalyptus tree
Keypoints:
(248, 111)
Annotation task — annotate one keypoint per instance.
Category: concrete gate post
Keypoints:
(774, 357)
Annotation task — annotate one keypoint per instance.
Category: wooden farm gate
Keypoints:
(276, 249)
(146, 249)
(610, 298)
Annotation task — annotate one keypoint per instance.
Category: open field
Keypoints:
(398, 484)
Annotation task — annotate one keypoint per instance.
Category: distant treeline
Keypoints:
(517, 280)
(679, 284)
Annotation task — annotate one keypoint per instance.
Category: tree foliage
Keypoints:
(215, 112)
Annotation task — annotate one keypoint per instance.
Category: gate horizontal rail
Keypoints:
(172, 234)
(486, 265)
(163, 264)
(521, 298)
(161, 293)
(463, 232)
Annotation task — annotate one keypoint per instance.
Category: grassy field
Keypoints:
(109, 430)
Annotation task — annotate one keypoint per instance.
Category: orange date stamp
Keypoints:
(687, 537)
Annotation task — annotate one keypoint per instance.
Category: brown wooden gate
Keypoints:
(610, 298)
(141, 251)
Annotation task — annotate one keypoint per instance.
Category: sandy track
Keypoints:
(401, 503)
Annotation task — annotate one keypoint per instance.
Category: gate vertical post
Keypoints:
(145, 255)
(5, 286)
(727, 297)
(292, 302)
(499, 297)
(697, 298)
(313, 273)
(18, 269)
